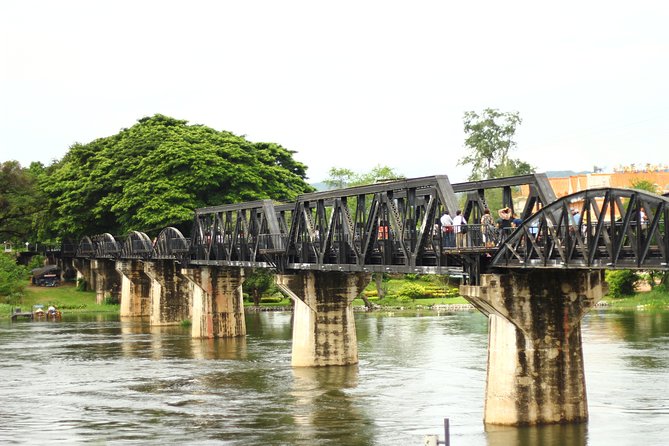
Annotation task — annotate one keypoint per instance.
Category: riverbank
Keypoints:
(65, 297)
(68, 299)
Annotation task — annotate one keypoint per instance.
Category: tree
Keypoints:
(12, 278)
(340, 178)
(645, 185)
(157, 172)
(20, 201)
(489, 139)
(258, 282)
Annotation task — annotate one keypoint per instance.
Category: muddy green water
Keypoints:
(99, 380)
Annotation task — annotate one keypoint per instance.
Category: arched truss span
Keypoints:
(171, 244)
(137, 245)
(606, 228)
(85, 248)
(106, 246)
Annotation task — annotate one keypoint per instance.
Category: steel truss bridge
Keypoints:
(394, 227)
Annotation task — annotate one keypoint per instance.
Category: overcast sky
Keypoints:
(347, 84)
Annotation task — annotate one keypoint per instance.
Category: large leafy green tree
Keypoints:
(20, 201)
(489, 139)
(157, 172)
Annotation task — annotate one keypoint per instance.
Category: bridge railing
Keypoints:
(476, 236)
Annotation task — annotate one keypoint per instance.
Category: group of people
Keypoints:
(454, 229)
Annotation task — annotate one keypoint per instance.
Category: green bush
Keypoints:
(271, 299)
(411, 290)
(411, 276)
(37, 261)
(12, 277)
(82, 285)
(621, 282)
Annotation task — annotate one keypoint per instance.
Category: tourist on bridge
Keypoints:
(504, 223)
(460, 226)
(487, 228)
(448, 240)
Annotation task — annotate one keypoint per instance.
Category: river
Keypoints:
(100, 380)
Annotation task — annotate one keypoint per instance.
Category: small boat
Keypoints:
(38, 312)
(52, 314)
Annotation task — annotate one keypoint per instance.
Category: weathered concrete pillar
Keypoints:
(135, 288)
(218, 304)
(83, 268)
(323, 323)
(170, 292)
(106, 279)
(535, 357)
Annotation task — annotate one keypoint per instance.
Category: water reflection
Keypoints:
(326, 411)
(554, 435)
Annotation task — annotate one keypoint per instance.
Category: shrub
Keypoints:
(411, 290)
(621, 282)
(12, 276)
(271, 299)
(411, 276)
(82, 285)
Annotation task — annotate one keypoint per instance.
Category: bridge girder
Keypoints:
(617, 229)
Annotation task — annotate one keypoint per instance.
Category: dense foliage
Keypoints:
(20, 201)
(621, 282)
(12, 278)
(157, 172)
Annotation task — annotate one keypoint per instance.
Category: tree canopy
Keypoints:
(157, 172)
(489, 139)
(342, 177)
(20, 200)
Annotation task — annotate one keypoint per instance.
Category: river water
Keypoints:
(100, 380)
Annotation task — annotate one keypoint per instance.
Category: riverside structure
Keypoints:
(534, 285)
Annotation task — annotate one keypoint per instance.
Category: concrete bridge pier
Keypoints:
(135, 288)
(535, 357)
(218, 305)
(170, 292)
(106, 280)
(83, 269)
(323, 323)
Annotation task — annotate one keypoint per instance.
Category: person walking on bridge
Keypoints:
(460, 226)
(447, 230)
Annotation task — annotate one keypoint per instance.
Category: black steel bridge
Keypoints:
(394, 227)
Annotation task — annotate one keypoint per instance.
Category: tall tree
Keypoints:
(157, 172)
(489, 139)
(20, 201)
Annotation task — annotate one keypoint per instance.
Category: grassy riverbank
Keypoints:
(65, 297)
(68, 299)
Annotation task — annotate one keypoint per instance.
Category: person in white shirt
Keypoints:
(448, 239)
(460, 226)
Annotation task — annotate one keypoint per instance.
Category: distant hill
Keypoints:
(319, 186)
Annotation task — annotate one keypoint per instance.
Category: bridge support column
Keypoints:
(535, 357)
(135, 288)
(105, 278)
(170, 292)
(323, 323)
(83, 269)
(218, 306)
